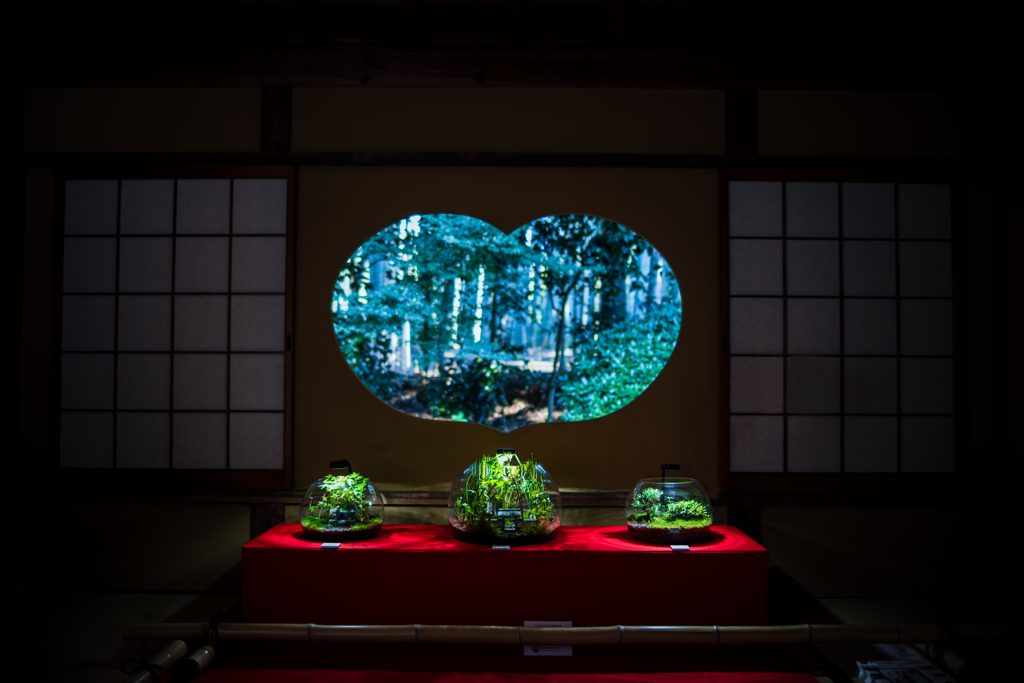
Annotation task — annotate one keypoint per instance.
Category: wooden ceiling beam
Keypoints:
(717, 27)
(203, 14)
(513, 15)
(616, 18)
(411, 12)
(508, 67)
(89, 161)
(276, 119)
(316, 31)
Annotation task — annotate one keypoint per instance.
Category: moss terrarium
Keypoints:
(502, 500)
(341, 507)
(669, 510)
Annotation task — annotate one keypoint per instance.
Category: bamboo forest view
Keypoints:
(569, 318)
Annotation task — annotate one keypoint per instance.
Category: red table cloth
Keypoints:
(591, 576)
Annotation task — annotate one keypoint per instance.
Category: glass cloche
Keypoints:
(669, 510)
(342, 507)
(502, 500)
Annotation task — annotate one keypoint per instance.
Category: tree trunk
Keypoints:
(559, 343)
(494, 318)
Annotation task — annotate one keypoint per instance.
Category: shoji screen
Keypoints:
(840, 327)
(174, 323)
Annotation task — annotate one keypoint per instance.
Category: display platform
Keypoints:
(591, 576)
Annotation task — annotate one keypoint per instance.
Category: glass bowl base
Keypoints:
(343, 534)
(662, 536)
(486, 536)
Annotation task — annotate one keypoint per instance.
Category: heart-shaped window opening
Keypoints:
(569, 318)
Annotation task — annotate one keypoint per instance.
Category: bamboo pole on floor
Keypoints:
(200, 658)
(601, 635)
(162, 661)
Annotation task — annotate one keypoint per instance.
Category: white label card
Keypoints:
(679, 548)
(547, 650)
(330, 545)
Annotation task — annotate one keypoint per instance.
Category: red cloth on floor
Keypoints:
(591, 576)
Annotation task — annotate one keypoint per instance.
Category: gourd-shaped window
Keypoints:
(569, 318)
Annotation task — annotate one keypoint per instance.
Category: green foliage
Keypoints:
(618, 365)
(343, 497)
(501, 482)
(325, 525)
(658, 511)
(659, 523)
(688, 510)
(649, 500)
(471, 389)
(475, 305)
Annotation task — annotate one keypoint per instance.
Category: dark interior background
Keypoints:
(508, 111)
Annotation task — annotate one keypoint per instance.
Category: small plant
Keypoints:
(649, 500)
(343, 506)
(659, 518)
(504, 499)
(344, 495)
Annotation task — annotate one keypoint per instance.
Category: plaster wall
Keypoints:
(673, 421)
(508, 120)
(142, 120)
(865, 124)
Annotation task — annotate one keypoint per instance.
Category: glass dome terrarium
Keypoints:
(341, 507)
(669, 510)
(501, 500)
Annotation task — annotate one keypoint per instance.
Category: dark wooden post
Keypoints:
(746, 518)
(276, 119)
(264, 517)
(411, 12)
(741, 122)
(616, 18)
(741, 140)
(13, 188)
(275, 137)
(513, 11)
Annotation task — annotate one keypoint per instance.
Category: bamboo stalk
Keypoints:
(604, 635)
(956, 664)
(200, 658)
(491, 635)
(669, 635)
(165, 659)
(596, 635)
(764, 635)
(920, 634)
(363, 634)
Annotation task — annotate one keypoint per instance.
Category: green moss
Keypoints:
(314, 523)
(503, 481)
(322, 529)
(665, 523)
(371, 523)
(496, 529)
(660, 513)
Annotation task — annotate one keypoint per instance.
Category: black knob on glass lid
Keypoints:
(341, 506)
(342, 464)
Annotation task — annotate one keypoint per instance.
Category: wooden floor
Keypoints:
(77, 637)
